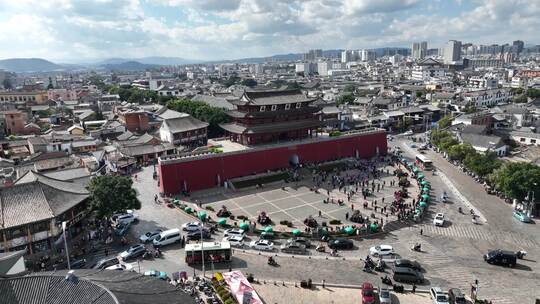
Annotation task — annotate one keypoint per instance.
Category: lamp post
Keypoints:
(202, 248)
(64, 224)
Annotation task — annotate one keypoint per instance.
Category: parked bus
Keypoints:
(215, 252)
(423, 162)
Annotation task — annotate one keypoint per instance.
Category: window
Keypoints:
(274, 107)
(287, 106)
(262, 108)
(298, 105)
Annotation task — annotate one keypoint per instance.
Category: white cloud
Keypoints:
(213, 29)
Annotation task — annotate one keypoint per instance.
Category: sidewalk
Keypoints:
(272, 294)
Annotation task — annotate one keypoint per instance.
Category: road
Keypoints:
(451, 256)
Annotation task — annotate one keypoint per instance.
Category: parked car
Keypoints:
(150, 236)
(263, 245)
(162, 275)
(340, 244)
(409, 132)
(501, 257)
(167, 237)
(106, 262)
(438, 220)
(385, 297)
(78, 264)
(192, 226)
(381, 250)
(293, 247)
(128, 217)
(196, 235)
(133, 252)
(123, 266)
(234, 231)
(122, 228)
(235, 240)
(405, 274)
(522, 217)
(368, 293)
(438, 296)
(408, 263)
(300, 240)
(455, 296)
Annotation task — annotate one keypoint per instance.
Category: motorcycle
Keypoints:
(272, 262)
(386, 280)
(320, 248)
(417, 247)
(367, 268)
(334, 253)
(460, 210)
(521, 254)
(380, 266)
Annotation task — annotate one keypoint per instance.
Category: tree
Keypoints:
(112, 194)
(350, 88)
(200, 110)
(533, 93)
(516, 91)
(520, 98)
(345, 99)
(232, 80)
(516, 179)
(445, 122)
(482, 164)
(249, 82)
(6, 83)
(459, 152)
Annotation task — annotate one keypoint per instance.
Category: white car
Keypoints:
(234, 231)
(124, 218)
(263, 245)
(192, 226)
(438, 296)
(235, 240)
(439, 219)
(150, 235)
(125, 267)
(381, 250)
(408, 133)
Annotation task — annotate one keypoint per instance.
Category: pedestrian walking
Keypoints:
(323, 282)
(352, 207)
(413, 288)
(421, 231)
(320, 213)
(347, 216)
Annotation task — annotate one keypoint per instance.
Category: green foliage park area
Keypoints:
(202, 111)
(521, 95)
(345, 99)
(112, 194)
(515, 179)
(445, 122)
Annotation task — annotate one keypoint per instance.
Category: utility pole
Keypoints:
(64, 224)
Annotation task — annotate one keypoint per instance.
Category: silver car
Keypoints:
(293, 247)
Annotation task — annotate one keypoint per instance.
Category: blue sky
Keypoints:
(82, 30)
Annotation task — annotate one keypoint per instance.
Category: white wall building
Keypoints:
(488, 97)
(427, 72)
(482, 82)
(323, 67)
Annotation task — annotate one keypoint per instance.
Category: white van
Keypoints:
(167, 237)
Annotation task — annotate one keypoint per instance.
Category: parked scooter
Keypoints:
(417, 247)
(521, 254)
(386, 280)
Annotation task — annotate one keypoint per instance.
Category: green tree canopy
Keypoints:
(112, 194)
(249, 82)
(445, 122)
(459, 152)
(349, 88)
(482, 164)
(345, 99)
(520, 98)
(516, 179)
(533, 93)
(200, 110)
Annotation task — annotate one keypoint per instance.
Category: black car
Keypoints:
(78, 264)
(106, 262)
(408, 263)
(501, 257)
(455, 296)
(196, 235)
(340, 244)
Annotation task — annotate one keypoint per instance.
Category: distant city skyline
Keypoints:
(79, 31)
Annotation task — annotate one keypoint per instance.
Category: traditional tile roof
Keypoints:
(262, 98)
(214, 101)
(184, 123)
(36, 197)
(271, 128)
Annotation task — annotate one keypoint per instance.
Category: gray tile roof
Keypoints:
(36, 197)
(184, 123)
(262, 98)
(170, 114)
(484, 141)
(214, 101)
(146, 149)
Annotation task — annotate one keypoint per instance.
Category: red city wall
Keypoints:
(203, 173)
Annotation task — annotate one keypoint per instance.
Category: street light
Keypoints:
(64, 224)
(202, 248)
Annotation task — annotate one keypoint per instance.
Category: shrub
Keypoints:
(334, 133)
(228, 301)
(284, 222)
(209, 208)
(335, 222)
